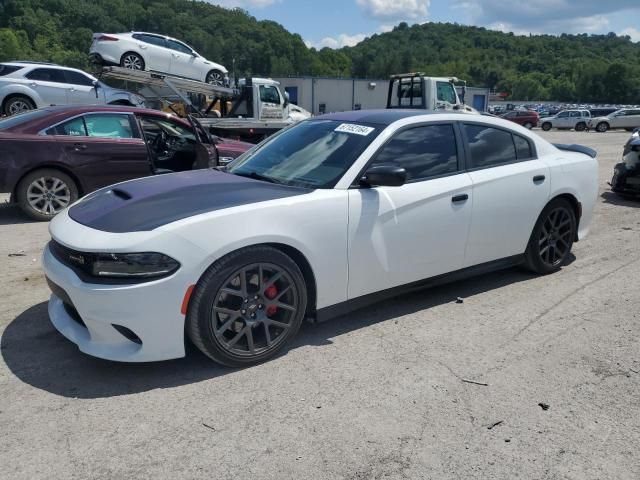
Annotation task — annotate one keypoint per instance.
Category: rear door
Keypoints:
(562, 120)
(155, 52)
(103, 148)
(398, 235)
(632, 118)
(510, 188)
(50, 84)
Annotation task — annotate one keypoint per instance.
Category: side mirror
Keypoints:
(194, 54)
(384, 175)
(96, 85)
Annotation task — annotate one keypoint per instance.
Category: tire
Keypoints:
(602, 127)
(546, 126)
(215, 77)
(132, 61)
(552, 238)
(580, 127)
(528, 125)
(251, 320)
(18, 104)
(44, 193)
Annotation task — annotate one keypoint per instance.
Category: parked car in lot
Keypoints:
(626, 174)
(30, 85)
(321, 218)
(150, 51)
(526, 118)
(567, 119)
(627, 118)
(52, 156)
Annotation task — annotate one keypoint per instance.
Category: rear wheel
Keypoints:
(602, 127)
(18, 104)
(581, 126)
(546, 126)
(132, 61)
(44, 193)
(552, 238)
(247, 306)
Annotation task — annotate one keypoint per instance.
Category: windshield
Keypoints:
(22, 118)
(312, 154)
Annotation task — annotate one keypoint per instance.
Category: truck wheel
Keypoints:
(546, 126)
(580, 126)
(44, 193)
(215, 77)
(602, 127)
(18, 104)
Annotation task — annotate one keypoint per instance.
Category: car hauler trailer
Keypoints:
(252, 111)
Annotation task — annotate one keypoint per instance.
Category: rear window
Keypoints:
(7, 69)
(21, 119)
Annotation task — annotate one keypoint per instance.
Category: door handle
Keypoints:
(460, 198)
(33, 84)
(79, 146)
(538, 179)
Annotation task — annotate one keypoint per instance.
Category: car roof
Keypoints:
(381, 117)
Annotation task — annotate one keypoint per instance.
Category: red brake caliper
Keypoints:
(271, 292)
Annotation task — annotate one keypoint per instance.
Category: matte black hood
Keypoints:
(151, 202)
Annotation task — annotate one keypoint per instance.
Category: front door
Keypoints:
(81, 89)
(183, 61)
(398, 235)
(562, 120)
(510, 188)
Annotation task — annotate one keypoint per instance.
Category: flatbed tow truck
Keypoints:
(252, 111)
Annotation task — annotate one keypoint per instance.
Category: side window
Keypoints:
(72, 128)
(574, 114)
(523, 147)
(634, 112)
(410, 93)
(511, 115)
(180, 47)
(77, 78)
(563, 114)
(47, 75)
(109, 126)
(269, 94)
(489, 147)
(151, 39)
(423, 151)
(446, 92)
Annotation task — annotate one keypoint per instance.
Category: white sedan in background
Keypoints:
(150, 51)
(323, 217)
(30, 85)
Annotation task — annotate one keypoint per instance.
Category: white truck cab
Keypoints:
(415, 90)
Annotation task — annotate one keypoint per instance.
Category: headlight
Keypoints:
(133, 265)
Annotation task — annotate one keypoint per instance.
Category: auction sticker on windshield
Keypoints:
(356, 129)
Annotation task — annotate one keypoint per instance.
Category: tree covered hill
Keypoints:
(599, 68)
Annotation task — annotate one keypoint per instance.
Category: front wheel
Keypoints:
(215, 77)
(552, 238)
(44, 193)
(546, 126)
(247, 306)
(602, 127)
(581, 126)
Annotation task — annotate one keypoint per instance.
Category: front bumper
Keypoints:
(99, 319)
(625, 180)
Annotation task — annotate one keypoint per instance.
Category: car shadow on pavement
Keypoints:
(615, 199)
(39, 356)
(11, 214)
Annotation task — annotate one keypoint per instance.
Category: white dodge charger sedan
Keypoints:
(325, 216)
(150, 51)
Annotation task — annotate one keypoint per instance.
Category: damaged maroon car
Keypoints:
(52, 156)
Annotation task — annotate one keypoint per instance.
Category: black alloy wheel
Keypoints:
(546, 126)
(552, 237)
(247, 306)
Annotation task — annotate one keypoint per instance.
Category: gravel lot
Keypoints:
(376, 394)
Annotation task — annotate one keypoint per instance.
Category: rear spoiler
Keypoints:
(576, 148)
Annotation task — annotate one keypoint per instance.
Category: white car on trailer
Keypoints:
(321, 218)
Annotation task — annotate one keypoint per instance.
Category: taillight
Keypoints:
(106, 38)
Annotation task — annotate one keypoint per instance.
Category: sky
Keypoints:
(336, 23)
